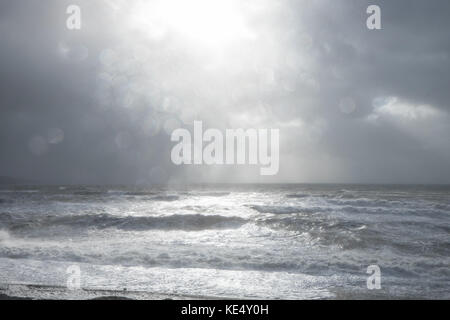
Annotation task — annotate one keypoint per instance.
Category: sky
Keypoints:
(98, 105)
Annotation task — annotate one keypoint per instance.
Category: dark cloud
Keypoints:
(353, 105)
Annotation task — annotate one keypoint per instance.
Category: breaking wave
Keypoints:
(165, 198)
(297, 195)
(103, 221)
(211, 194)
(286, 209)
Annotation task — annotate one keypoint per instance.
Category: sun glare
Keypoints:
(210, 23)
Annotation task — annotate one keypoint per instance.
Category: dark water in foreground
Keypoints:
(247, 241)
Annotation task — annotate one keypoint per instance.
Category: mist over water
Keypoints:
(243, 241)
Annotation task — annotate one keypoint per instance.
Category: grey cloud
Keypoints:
(111, 88)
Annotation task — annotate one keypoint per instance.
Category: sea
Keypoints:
(248, 241)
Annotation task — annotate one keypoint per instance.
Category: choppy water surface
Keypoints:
(248, 241)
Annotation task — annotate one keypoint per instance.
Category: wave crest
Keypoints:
(103, 221)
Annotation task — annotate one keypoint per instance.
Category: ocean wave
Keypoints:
(103, 221)
(211, 194)
(308, 223)
(286, 209)
(130, 193)
(140, 193)
(297, 195)
(364, 202)
(165, 198)
(108, 194)
(19, 191)
(88, 193)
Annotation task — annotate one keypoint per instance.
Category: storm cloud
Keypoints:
(97, 105)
